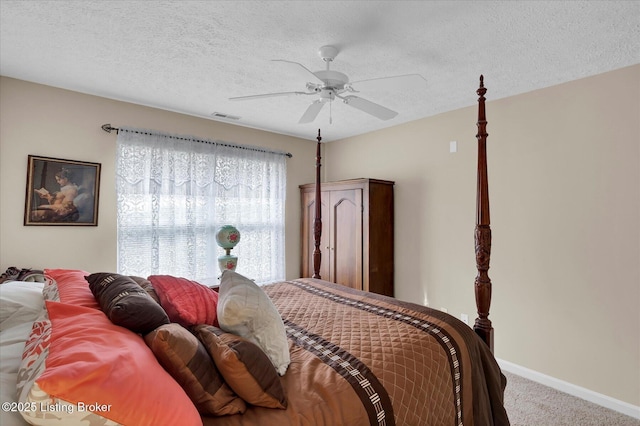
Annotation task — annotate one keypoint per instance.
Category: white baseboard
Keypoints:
(577, 391)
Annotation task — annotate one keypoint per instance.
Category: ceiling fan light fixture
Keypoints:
(327, 95)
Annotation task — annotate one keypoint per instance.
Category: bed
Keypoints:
(85, 347)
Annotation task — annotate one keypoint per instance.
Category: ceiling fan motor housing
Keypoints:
(332, 79)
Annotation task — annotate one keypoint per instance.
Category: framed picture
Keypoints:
(61, 192)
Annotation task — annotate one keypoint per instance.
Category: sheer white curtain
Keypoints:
(174, 192)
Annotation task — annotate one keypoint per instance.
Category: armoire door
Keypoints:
(345, 245)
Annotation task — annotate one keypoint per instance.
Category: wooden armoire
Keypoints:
(357, 233)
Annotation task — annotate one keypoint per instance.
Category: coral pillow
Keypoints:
(72, 287)
(186, 302)
(103, 369)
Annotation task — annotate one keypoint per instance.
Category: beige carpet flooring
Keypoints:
(531, 404)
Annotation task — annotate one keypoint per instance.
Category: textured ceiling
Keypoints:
(191, 56)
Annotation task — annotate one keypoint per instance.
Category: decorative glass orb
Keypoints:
(227, 236)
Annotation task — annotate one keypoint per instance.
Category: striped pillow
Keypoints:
(244, 366)
(187, 361)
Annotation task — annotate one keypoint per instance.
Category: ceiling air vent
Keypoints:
(225, 116)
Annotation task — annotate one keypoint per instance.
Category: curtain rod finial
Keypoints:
(107, 128)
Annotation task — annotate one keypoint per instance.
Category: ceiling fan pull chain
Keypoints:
(330, 115)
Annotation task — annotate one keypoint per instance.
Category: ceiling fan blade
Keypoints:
(369, 107)
(308, 71)
(395, 82)
(269, 95)
(312, 112)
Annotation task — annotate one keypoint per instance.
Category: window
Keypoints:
(174, 192)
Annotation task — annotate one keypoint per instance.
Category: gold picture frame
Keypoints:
(61, 192)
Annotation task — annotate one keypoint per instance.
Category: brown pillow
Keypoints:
(126, 303)
(244, 366)
(146, 286)
(187, 361)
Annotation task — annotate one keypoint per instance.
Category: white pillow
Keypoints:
(245, 309)
(20, 302)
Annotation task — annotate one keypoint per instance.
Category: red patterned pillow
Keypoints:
(186, 302)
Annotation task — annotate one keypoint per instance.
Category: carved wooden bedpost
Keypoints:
(482, 325)
(317, 222)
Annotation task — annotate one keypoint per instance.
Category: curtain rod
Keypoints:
(108, 128)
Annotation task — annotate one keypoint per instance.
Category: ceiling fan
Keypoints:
(329, 85)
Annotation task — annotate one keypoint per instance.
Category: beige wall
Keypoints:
(565, 202)
(565, 207)
(42, 120)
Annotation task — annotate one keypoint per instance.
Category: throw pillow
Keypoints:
(186, 359)
(186, 302)
(126, 303)
(244, 366)
(97, 372)
(246, 310)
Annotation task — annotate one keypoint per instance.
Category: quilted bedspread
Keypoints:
(364, 359)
